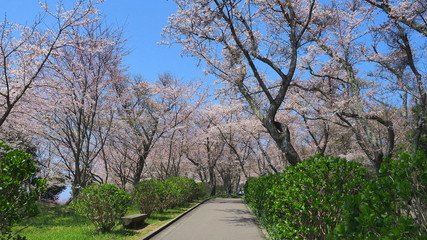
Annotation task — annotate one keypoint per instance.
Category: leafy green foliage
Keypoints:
(147, 194)
(331, 198)
(153, 195)
(203, 190)
(103, 204)
(304, 202)
(256, 193)
(179, 190)
(388, 206)
(19, 189)
(11, 236)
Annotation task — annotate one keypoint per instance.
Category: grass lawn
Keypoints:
(60, 222)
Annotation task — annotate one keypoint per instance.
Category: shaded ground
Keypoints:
(217, 219)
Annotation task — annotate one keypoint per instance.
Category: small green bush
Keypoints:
(153, 195)
(179, 190)
(202, 191)
(19, 189)
(147, 195)
(103, 204)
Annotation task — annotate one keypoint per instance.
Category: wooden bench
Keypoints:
(134, 221)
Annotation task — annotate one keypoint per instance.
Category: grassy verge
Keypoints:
(60, 222)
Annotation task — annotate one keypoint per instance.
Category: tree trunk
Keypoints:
(282, 137)
(212, 181)
(139, 168)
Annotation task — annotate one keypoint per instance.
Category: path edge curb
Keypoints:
(260, 226)
(161, 228)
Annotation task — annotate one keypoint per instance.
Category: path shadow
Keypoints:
(226, 200)
(240, 217)
(241, 221)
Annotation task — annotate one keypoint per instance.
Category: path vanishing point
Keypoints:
(216, 219)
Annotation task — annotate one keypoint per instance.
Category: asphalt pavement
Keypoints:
(217, 219)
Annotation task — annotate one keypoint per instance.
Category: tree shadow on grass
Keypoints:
(169, 213)
(125, 232)
(114, 234)
(160, 218)
(55, 215)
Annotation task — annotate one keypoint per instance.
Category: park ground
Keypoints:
(55, 221)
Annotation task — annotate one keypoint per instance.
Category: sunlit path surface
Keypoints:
(217, 219)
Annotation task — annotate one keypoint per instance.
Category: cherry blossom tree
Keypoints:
(77, 113)
(204, 150)
(149, 113)
(411, 13)
(228, 145)
(25, 50)
(399, 53)
(237, 129)
(334, 63)
(252, 46)
(306, 69)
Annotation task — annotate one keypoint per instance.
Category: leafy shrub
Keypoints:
(388, 206)
(178, 191)
(202, 191)
(256, 193)
(103, 204)
(147, 195)
(304, 202)
(153, 195)
(19, 189)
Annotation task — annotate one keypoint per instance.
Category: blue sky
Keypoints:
(142, 20)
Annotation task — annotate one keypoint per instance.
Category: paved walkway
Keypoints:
(217, 219)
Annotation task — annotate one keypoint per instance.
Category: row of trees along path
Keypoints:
(298, 78)
(219, 218)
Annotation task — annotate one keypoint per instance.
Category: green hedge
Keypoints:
(304, 202)
(392, 205)
(154, 195)
(332, 198)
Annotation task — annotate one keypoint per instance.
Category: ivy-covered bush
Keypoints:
(19, 189)
(305, 201)
(391, 205)
(103, 204)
